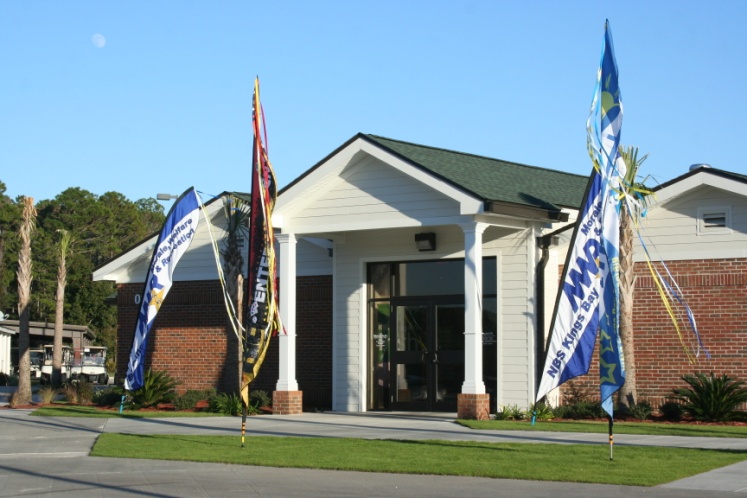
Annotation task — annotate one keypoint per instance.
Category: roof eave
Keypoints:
(519, 211)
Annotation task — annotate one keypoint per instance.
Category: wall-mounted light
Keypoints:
(425, 241)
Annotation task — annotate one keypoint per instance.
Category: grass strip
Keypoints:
(638, 428)
(632, 466)
(95, 412)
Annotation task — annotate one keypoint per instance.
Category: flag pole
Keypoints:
(611, 436)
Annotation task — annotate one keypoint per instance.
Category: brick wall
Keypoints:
(190, 339)
(716, 291)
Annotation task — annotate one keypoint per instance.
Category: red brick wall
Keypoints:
(716, 291)
(313, 345)
(189, 339)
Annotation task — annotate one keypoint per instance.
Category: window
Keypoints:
(715, 219)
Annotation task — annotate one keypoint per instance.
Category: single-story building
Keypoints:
(411, 278)
(6, 366)
(42, 333)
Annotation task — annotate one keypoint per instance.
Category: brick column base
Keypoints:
(473, 406)
(287, 402)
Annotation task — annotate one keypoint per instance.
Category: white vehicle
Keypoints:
(67, 363)
(37, 360)
(92, 366)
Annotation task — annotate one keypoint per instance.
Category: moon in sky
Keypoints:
(98, 40)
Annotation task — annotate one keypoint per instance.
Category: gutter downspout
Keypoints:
(542, 344)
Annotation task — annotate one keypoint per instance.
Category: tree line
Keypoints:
(97, 228)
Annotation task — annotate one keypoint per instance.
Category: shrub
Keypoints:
(541, 411)
(227, 404)
(189, 399)
(260, 398)
(8, 379)
(158, 387)
(85, 392)
(711, 398)
(641, 410)
(107, 397)
(672, 411)
(70, 391)
(47, 394)
(510, 413)
(574, 393)
(582, 410)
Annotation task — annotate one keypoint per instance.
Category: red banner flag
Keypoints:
(263, 318)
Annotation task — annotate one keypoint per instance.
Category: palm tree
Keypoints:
(28, 223)
(629, 215)
(59, 309)
(237, 228)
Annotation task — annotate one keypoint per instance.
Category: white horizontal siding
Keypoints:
(670, 231)
(371, 193)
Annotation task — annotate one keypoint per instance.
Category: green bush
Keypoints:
(579, 411)
(85, 392)
(671, 411)
(189, 399)
(11, 379)
(260, 398)
(107, 397)
(510, 413)
(641, 410)
(158, 387)
(541, 411)
(227, 404)
(711, 398)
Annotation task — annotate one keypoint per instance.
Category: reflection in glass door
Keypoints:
(427, 368)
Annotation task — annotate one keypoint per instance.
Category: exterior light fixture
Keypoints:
(166, 197)
(425, 241)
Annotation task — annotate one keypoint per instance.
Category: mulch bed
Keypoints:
(201, 406)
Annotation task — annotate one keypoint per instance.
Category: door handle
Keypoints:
(435, 357)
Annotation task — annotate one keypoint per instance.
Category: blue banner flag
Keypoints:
(589, 299)
(176, 235)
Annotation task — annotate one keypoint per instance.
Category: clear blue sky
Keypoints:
(146, 97)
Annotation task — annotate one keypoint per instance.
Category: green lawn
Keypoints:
(632, 465)
(640, 428)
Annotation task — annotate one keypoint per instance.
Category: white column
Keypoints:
(287, 341)
(473, 383)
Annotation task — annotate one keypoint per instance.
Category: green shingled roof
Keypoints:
(493, 179)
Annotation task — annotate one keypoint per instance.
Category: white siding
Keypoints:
(198, 263)
(671, 229)
(516, 316)
(371, 194)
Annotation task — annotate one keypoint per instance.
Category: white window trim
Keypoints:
(713, 210)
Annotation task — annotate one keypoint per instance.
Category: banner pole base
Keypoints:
(612, 439)
(243, 425)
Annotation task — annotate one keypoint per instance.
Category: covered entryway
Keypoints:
(427, 367)
(417, 333)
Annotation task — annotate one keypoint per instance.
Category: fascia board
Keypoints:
(112, 270)
(671, 192)
(322, 177)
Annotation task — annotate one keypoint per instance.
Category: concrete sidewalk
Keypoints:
(45, 455)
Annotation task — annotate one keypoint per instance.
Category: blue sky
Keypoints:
(161, 100)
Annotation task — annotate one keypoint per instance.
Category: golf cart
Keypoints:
(66, 367)
(37, 360)
(92, 366)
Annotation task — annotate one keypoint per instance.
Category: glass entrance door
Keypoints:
(427, 354)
